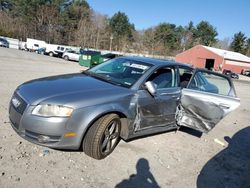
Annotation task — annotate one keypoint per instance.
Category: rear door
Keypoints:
(208, 98)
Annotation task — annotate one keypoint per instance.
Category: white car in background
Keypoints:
(71, 55)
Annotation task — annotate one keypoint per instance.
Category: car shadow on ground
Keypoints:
(231, 167)
(143, 178)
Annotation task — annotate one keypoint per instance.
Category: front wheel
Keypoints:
(102, 137)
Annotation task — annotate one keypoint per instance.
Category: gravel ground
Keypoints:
(174, 159)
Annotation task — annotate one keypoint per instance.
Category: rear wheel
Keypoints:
(66, 58)
(103, 136)
(51, 54)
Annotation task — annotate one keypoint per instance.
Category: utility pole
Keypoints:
(110, 44)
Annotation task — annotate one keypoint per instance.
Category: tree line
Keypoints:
(76, 23)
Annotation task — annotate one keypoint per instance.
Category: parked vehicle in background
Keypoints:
(109, 56)
(71, 55)
(60, 50)
(50, 49)
(245, 72)
(55, 50)
(41, 51)
(230, 74)
(22, 45)
(125, 97)
(4, 43)
(33, 44)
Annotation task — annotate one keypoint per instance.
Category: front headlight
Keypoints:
(51, 110)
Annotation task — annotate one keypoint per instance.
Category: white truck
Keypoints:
(55, 50)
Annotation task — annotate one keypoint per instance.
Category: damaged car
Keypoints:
(123, 98)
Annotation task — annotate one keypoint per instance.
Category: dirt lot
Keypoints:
(164, 160)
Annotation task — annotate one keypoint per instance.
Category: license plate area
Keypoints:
(15, 117)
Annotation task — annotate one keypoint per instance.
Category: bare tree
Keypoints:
(47, 23)
(149, 40)
(224, 43)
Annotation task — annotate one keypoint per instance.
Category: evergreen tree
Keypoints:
(121, 29)
(239, 43)
(248, 47)
(205, 34)
(167, 35)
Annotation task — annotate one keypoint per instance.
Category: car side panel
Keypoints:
(83, 118)
(202, 111)
(159, 110)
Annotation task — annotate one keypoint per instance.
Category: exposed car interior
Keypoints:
(184, 79)
(185, 76)
(131, 74)
(163, 78)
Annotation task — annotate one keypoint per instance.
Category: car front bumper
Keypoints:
(49, 132)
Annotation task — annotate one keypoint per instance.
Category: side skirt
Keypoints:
(151, 131)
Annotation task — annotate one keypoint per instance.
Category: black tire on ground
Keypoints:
(102, 137)
(51, 54)
(66, 58)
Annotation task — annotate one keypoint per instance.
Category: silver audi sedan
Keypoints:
(123, 98)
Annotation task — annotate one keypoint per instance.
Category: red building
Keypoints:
(214, 59)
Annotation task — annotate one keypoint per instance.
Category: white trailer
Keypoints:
(33, 44)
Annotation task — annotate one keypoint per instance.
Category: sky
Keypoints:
(227, 16)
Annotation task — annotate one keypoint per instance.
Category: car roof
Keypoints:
(153, 61)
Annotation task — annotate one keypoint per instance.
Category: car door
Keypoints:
(159, 110)
(76, 56)
(73, 55)
(207, 99)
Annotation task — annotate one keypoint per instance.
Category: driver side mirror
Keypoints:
(150, 88)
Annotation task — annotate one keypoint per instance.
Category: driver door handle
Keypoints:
(170, 93)
(225, 106)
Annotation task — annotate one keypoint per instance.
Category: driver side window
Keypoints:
(163, 78)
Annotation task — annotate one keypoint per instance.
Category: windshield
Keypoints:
(121, 71)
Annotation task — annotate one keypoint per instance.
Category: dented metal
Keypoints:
(202, 111)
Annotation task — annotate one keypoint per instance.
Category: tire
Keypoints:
(102, 137)
(66, 58)
(51, 54)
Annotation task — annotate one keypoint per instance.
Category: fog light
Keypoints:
(42, 138)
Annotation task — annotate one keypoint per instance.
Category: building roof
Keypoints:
(229, 54)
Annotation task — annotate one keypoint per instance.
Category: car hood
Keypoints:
(67, 89)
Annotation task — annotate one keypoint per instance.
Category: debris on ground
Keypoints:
(216, 140)
(44, 153)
